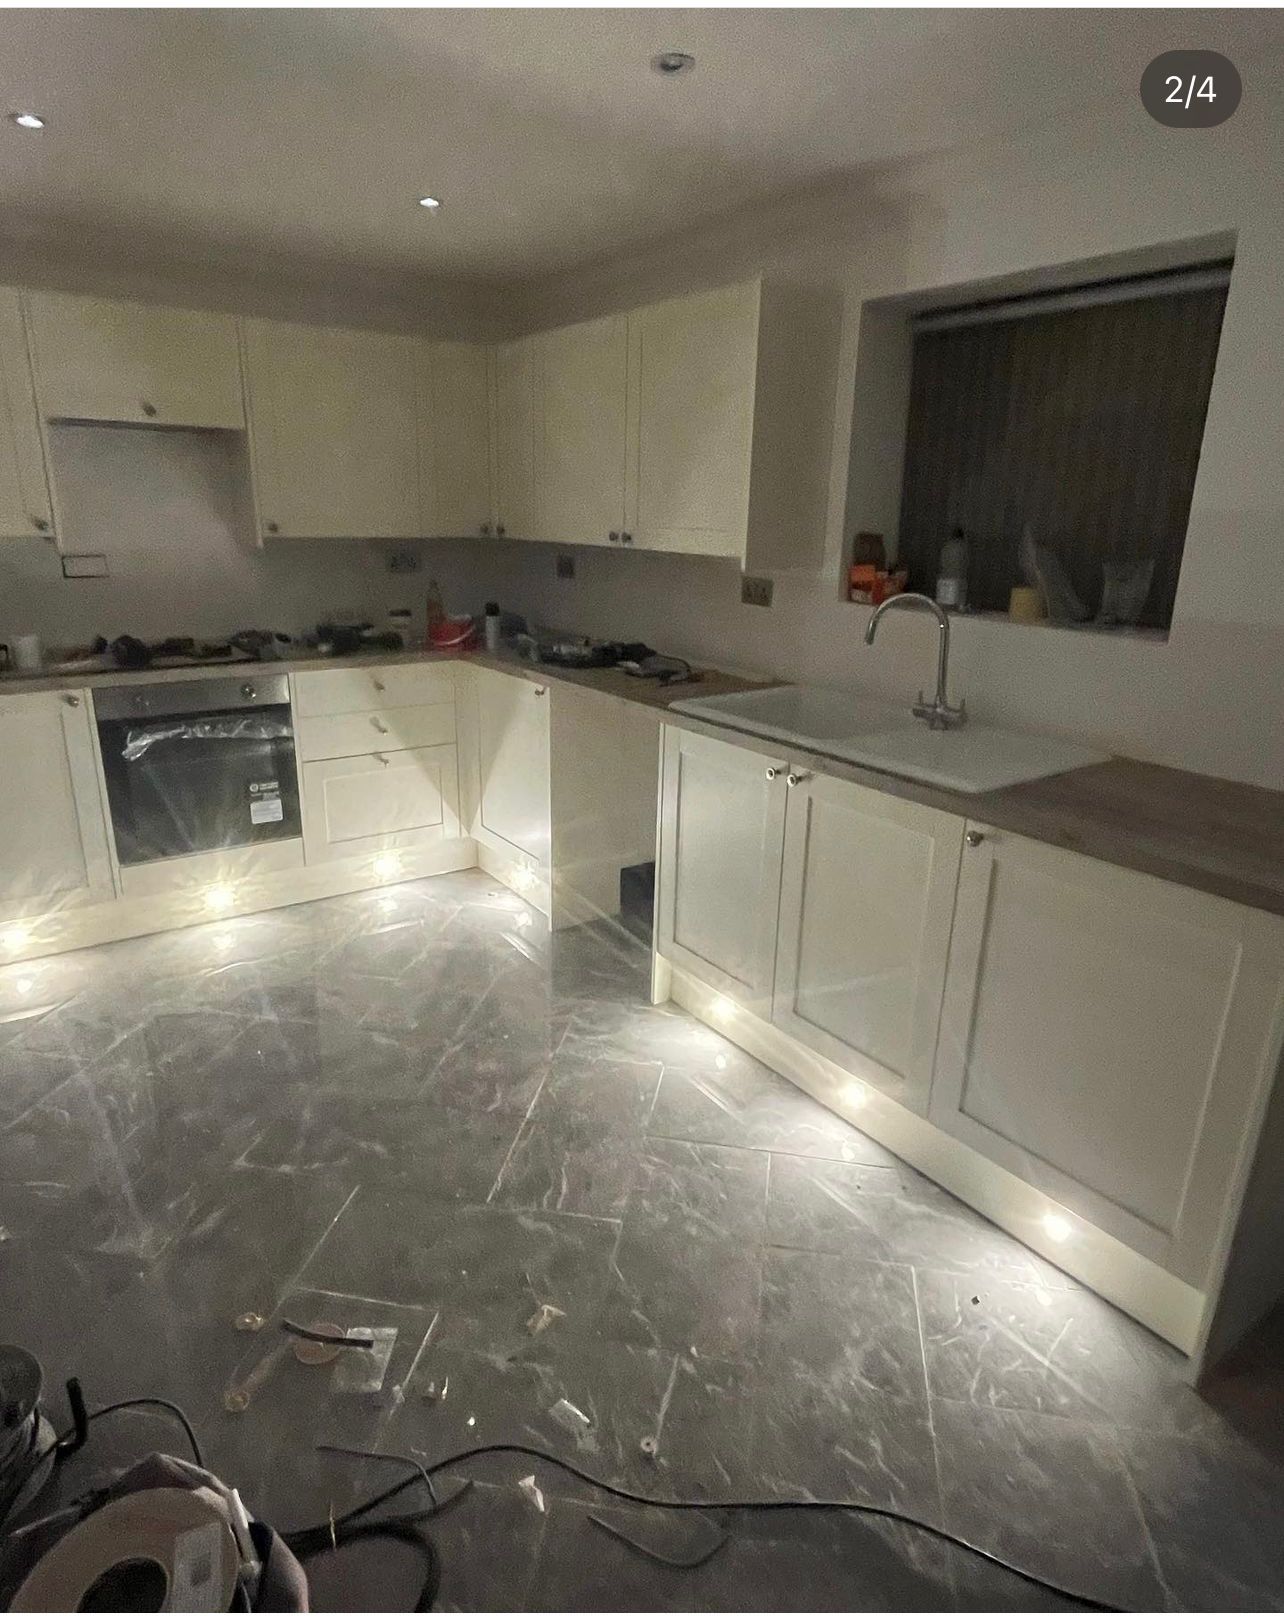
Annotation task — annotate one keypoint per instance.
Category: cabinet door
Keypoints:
(24, 487)
(371, 802)
(55, 829)
(333, 431)
(582, 432)
(454, 439)
(515, 377)
(104, 360)
(512, 754)
(1103, 1036)
(866, 899)
(722, 821)
(693, 363)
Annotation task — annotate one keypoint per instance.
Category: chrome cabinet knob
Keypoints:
(973, 837)
(499, 529)
(378, 685)
(613, 536)
(249, 690)
(540, 691)
(795, 777)
(772, 773)
(485, 529)
(626, 539)
(71, 700)
(273, 528)
(149, 410)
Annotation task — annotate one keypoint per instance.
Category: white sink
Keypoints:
(819, 715)
(971, 759)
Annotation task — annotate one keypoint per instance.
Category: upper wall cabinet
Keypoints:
(102, 360)
(515, 381)
(582, 432)
(732, 393)
(333, 418)
(454, 439)
(25, 508)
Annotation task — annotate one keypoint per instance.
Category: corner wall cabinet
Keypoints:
(55, 829)
(107, 360)
(514, 417)
(1045, 1026)
(582, 433)
(455, 490)
(25, 506)
(333, 420)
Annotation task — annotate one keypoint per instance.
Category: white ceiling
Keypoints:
(292, 135)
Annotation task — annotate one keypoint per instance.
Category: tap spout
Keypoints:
(939, 714)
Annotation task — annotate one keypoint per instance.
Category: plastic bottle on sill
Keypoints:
(951, 574)
(490, 628)
(436, 607)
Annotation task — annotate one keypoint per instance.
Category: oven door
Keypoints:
(179, 784)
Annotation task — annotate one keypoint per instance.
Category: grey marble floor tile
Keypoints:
(612, 1398)
(1001, 1343)
(630, 1032)
(332, 1055)
(386, 1143)
(576, 1165)
(486, 1269)
(171, 1333)
(586, 1085)
(1215, 1512)
(52, 1297)
(712, 1194)
(582, 1568)
(838, 1315)
(821, 1436)
(432, 1003)
(27, 1077)
(675, 1291)
(488, 1541)
(269, 1450)
(737, 1101)
(388, 947)
(1050, 1494)
(890, 1214)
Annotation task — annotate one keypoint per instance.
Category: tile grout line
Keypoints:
(1152, 1550)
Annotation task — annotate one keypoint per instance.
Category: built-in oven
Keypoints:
(198, 765)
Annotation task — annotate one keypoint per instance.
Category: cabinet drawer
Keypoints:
(391, 686)
(372, 802)
(330, 737)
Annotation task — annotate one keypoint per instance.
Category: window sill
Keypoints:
(1087, 627)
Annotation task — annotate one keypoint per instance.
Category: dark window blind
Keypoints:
(1083, 422)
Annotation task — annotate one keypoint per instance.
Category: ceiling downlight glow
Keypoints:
(1057, 1227)
(27, 120)
(668, 64)
(432, 204)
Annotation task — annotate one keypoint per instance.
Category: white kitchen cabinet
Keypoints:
(456, 498)
(722, 823)
(513, 765)
(582, 432)
(389, 800)
(515, 375)
(866, 899)
(334, 436)
(731, 409)
(25, 507)
(1104, 1035)
(106, 360)
(55, 852)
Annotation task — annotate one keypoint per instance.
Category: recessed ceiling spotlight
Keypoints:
(670, 63)
(430, 202)
(27, 120)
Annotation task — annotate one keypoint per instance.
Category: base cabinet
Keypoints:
(722, 824)
(513, 765)
(55, 828)
(373, 802)
(1104, 1035)
(866, 898)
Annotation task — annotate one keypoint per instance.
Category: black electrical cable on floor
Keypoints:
(727, 1505)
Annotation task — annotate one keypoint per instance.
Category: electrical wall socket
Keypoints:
(565, 566)
(756, 589)
(404, 560)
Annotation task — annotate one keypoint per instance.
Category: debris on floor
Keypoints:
(361, 1371)
(526, 1485)
(544, 1318)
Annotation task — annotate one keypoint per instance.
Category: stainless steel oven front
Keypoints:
(198, 765)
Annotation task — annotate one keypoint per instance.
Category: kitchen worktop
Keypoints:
(1224, 838)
